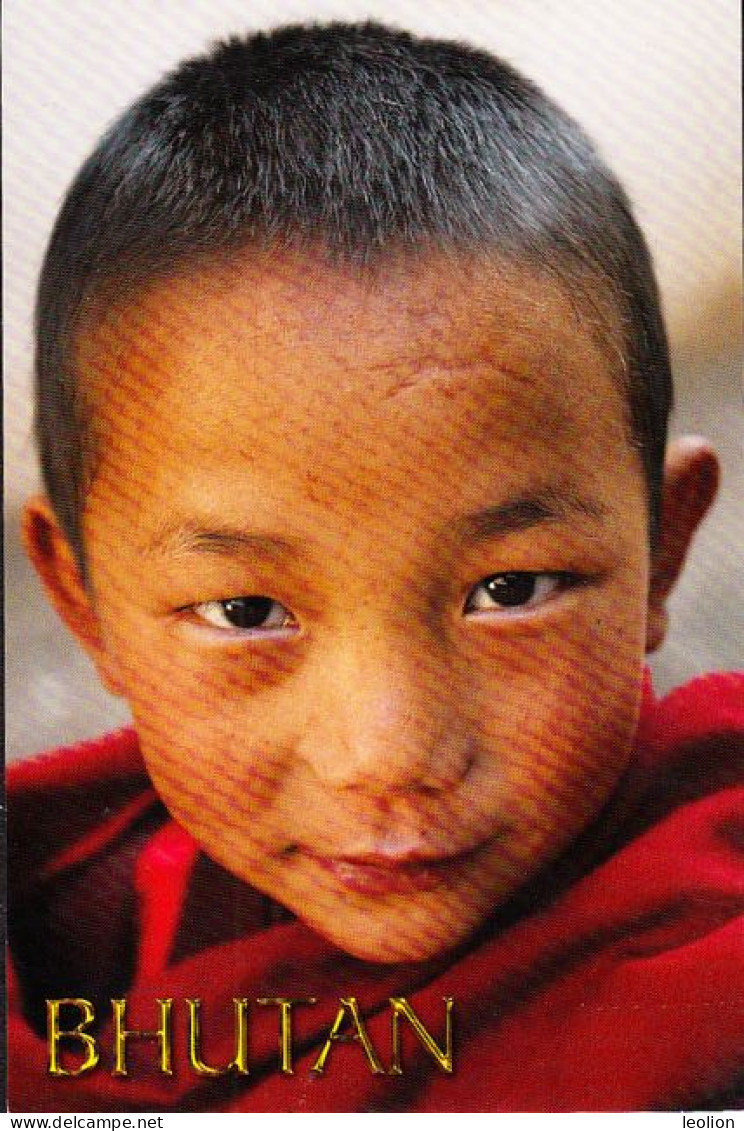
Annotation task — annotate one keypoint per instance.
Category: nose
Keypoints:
(388, 717)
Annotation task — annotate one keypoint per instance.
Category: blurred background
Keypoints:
(656, 85)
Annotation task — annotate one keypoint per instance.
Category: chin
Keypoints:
(388, 941)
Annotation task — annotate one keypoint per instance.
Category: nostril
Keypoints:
(430, 790)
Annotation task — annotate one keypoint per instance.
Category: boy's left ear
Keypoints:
(691, 477)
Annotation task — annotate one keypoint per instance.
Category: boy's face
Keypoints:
(368, 559)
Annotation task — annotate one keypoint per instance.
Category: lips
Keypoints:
(383, 874)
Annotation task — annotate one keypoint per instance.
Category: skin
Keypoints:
(393, 752)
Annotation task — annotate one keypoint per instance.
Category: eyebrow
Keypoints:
(524, 512)
(192, 538)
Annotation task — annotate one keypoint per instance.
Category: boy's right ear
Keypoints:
(56, 565)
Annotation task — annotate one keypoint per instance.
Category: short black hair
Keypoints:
(359, 139)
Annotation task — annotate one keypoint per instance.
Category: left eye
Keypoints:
(247, 614)
(507, 592)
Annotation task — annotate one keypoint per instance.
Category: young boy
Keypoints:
(352, 403)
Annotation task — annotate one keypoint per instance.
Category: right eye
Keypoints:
(252, 615)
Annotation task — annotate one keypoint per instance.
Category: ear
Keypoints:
(691, 476)
(55, 563)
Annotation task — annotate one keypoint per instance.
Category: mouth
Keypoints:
(384, 874)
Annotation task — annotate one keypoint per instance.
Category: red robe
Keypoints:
(615, 981)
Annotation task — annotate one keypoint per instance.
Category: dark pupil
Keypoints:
(247, 612)
(511, 588)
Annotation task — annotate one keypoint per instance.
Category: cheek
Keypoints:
(212, 738)
(558, 717)
(222, 781)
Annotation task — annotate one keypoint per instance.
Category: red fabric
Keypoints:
(615, 983)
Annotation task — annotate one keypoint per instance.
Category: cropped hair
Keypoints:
(360, 140)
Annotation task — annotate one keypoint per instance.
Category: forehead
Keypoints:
(285, 366)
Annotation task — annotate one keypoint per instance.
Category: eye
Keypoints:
(515, 591)
(246, 614)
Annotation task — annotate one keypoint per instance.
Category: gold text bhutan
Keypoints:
(348, 1025)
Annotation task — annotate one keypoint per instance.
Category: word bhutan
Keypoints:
(348, 1025)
